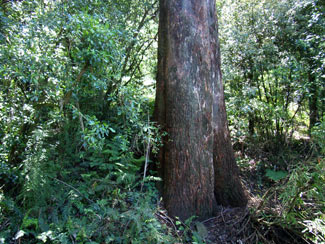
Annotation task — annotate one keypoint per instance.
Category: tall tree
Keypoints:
(308, 47)
(197, 162)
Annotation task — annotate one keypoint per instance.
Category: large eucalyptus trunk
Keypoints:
(197, 163)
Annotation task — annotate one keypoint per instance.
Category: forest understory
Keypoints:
(266, 219)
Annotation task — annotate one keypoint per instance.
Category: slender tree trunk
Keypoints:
(313, 100)
(197, 163)
(251, 124)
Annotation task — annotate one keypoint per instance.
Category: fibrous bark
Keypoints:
(197, 163)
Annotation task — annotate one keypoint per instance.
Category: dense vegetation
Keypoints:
(75, 119)
(274, 71)
(74, 122)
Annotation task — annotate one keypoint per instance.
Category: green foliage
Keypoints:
(304, 200)
(275, 175)
(273, 69)
(272, 66)
(318, 136)
(191, 231)
(75, 130)
(297, 204)
(74, 122)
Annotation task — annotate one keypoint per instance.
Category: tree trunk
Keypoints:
(197, 163)
(313, 99)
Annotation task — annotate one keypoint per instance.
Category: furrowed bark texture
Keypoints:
(197, 162)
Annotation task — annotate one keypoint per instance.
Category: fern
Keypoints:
(275, 175)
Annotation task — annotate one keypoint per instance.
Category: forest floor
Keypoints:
(242, 225)
(255, 223)
(251, 224)
(282, 207)
(229, 226)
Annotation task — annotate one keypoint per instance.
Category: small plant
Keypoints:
(297, 205)
(318, 136)
(275, 175)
